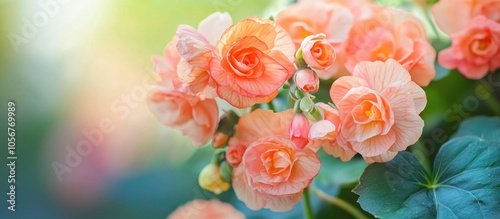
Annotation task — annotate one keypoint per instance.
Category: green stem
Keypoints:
(270, 105)
(433, 24)
(307, 204)
(491, 100)
(340, 203)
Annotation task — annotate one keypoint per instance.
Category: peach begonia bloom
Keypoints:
(392, 34)
(273, 173)
(317, 52)
(462, 12)
(203, 209)
(253, 59)
(475, 50)
(196, 48)
(324, 133)
(178, 108)
(313, 17)
(379, 109)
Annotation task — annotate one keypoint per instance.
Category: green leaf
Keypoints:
(464, 183)
(335, 171)
(441, 72)
(487, 128)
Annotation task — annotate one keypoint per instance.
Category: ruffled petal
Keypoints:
(379, 75)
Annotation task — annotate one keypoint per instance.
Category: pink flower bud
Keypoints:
(219, 140)
(307, 80)
(234, 154)
(317, 52)
(299, 131)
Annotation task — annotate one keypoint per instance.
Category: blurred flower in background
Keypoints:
(71, 66)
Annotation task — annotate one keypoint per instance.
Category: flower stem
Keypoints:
(307, 204)
(491, 100)
(270, 105)
(340, 203)
(427, 14)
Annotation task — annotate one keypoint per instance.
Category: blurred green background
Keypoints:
(85, 58)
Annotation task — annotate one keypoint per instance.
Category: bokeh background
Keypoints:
(89, 61)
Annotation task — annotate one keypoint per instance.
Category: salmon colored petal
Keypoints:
(239, 101)
(171, 53)
(168, 107)
(472, 71)
(306, 167)
(445, 58)
(376, 145)
(206, 113)
(343, 85)
(193, 46)
(283, 203)
(387, 156)
(218, 73)
(449, 22)
(321, 129)
(284, 61)
(282, 41)
(343, 20)
(194, 130)
(424, 71)
(214, 25)
(275, 37)
(339, 152)
(254, 165)
(408, 125)
(249, 27)
(418, 96)
(197, 79)
(273, 77)
(369, 130)
(162, 65)
(244, 192)
(250, 126)
(202, 209)
(379, 74)
(283, 188)
(349, 100)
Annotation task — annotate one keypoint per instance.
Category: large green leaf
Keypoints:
(465, 183)
(333, 170)
(487, 128)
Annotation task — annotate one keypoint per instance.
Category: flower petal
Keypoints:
(376, 145)
(408, 125)
(379, 75)
(239, 101)
(214, 25)
(343, 85)
(244, 192)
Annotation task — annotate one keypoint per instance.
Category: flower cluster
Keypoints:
(378, 58)
(475, 35)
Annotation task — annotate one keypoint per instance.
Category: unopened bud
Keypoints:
(234, 154)
(219, 140)
(211, 180)
(306, 104)
(315, 114)
(299, 131)
(307, 80)
(317, 52)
